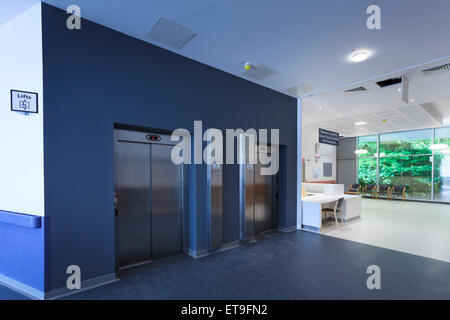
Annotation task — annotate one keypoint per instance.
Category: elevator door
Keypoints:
(260, 201)
(263, 201)
(216, 206)
(149, 200)
(166, 200)
(133, 222)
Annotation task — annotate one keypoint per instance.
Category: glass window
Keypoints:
(414, 172)
(367, 171)
(406, 143)
(442, 136)
(442, 166)
(368, 143)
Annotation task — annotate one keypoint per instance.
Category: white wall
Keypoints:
(21, 136)
(310, 136)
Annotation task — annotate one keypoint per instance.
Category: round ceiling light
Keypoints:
(439, 146)
(361, 151)
(359, 55)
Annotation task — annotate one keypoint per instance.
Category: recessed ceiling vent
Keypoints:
(170, 33)
(356, 90)
(436, 70)
(389, 82)
(259, 72)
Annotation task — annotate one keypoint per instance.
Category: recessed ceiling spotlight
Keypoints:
(412, 100)
(360, 123)
(321, 107)
(359, 55)
(399, 89)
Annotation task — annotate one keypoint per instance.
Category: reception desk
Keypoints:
(313, 203)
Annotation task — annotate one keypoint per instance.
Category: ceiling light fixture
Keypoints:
(361, 151)
(360, 123)
(439, 146)
(359, 55)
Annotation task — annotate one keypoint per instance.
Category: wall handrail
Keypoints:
(20, 219)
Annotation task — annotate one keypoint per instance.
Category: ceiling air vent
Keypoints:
(356, 90)
(435, 70)
(389, 82)
(170, 33)
(259, 72)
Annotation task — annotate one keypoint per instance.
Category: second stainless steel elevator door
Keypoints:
(216, 206)
(263, 201)
(166, 202)
(249, 186)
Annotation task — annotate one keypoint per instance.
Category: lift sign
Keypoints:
(24, 101)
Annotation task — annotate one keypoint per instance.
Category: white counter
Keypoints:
(312, 208)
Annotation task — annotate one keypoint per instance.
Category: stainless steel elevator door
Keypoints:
(216, 228)
(133, 191)
(249, 221)
(263, 201)
(166, 197)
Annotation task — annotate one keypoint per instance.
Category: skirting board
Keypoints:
(287, 229)
(198, 253)
(203, 253)
(312, 229)
(21, 288)
(85, 285)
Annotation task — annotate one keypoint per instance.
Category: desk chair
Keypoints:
(337, 208)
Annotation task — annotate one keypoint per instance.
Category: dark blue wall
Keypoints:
(95, 77)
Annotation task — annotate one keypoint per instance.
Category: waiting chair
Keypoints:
(371, 190)
(354, 189)
(399, 191)
(337, 208)
(384, 190)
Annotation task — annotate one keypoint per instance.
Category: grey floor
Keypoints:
(298, 265)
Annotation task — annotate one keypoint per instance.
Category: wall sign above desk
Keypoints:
(23, 101)
(328, 137)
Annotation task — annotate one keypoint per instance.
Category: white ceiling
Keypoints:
(302, 47)
(383, 108)
(305, 42)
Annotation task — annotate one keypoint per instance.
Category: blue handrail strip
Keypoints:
(20, 219)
